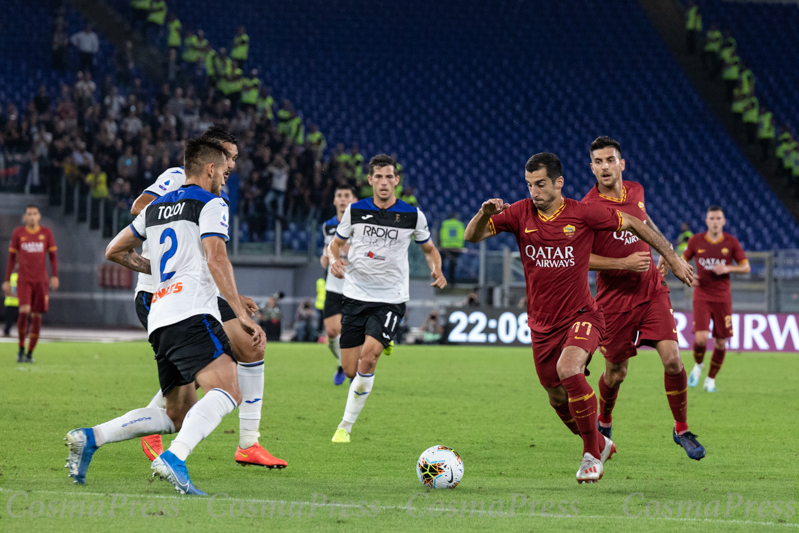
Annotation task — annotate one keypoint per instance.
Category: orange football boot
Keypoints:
(152, 446)
(258, 456)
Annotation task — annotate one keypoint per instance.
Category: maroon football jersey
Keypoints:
(619, 291)
(32, 250)
(712, 287)
(555, 251)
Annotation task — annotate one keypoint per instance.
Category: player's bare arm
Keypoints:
(222, 272)
(740, 268)
(433, 258)
(636, 262)
(477, 230)
(679, 266)
(121, 250)
(337, 264)
(141, 202)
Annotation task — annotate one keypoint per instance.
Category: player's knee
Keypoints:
(615, 377)
(720, 344)
(567, 368)
(557, 396)
(24, 309)
(236, 395)
(332, 331)
(701, 338)
(248, 354)
(672, 365)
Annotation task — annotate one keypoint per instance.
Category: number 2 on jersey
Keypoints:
(169, 232)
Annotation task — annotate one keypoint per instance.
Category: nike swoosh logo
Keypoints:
(243, 454)
(700, 251)
(451, 477)
(359, 393)
(581, 338)
(183, 486)
(365, 217)
(584, 410)
(529, 230)
(674, 331)
(252, 401)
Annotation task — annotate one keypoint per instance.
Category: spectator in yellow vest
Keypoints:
(12, 306)
(241, 47)
(189, 55)
(747, 81)
(731, 75)
(266, 103)
(317, 140)
(250, 87)
(765, 133)
(203, 47)
(174, 27)
(693, 26)
(156, 20)
(710, 55)
(785, 145)
(451, 242)
(751, 117)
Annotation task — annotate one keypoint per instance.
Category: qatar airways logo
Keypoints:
(626, 237)
(708, 263)
(550, 256)
(33, 246)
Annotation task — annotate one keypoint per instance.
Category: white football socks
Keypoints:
(251, 384)
(136, 423)
(360, 388)
(158, 401)
(201, 420)
(334, 343)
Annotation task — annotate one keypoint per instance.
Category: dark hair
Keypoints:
(199, 152)
(380, 161)
(603, 141)
(343, 187)
(32, 206)
(548, 161)
(714, 208)
(219, 134)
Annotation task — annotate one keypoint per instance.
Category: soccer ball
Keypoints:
(440, 467)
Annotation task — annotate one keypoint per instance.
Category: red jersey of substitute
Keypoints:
(621, 291)
(712, 296)
(555, 252)
(32, 249)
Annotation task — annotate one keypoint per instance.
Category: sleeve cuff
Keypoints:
(137, 234)
(340, 237)
(424, 241)
(220, 235)
(151, 193)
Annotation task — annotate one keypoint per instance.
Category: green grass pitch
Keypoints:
(486, 403)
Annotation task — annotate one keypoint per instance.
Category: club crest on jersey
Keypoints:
(724, 251)
(41, 238)
(569, 230)
(641, 206)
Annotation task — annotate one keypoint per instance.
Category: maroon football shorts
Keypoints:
(644, 325)
(585, 330)
(720, 312)
(35, 294)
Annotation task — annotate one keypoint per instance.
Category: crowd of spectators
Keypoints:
(113, 139)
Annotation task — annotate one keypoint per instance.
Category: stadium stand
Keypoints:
(466, 108)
